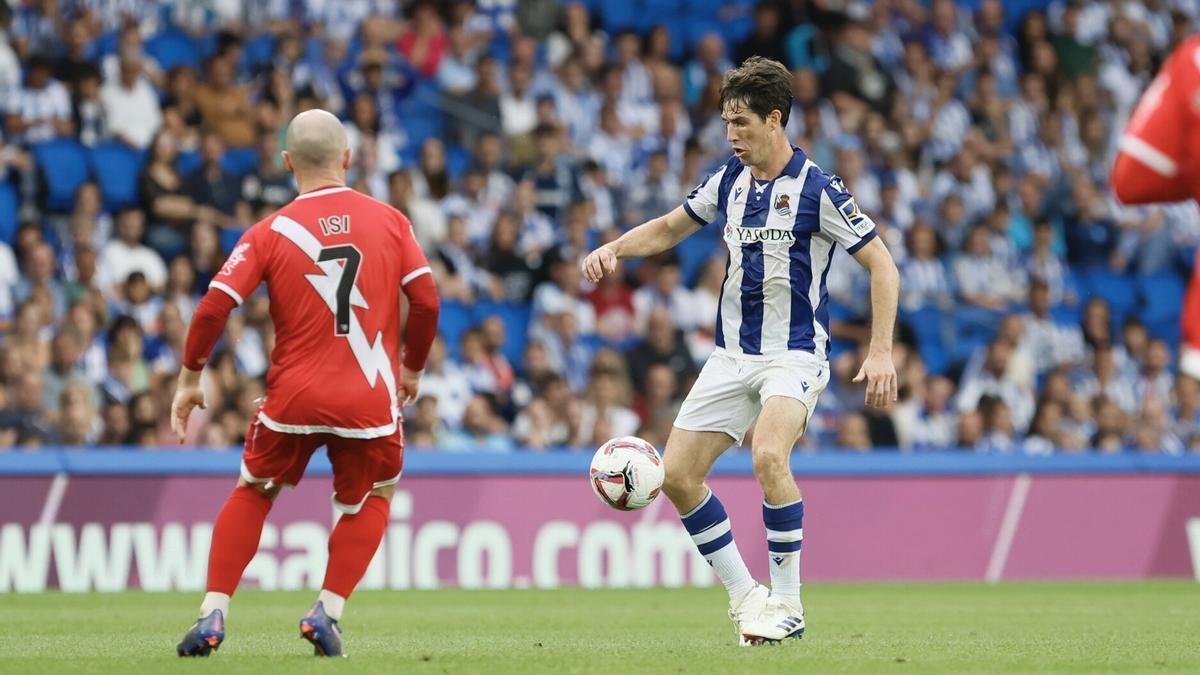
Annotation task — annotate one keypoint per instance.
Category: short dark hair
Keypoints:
(762, 84)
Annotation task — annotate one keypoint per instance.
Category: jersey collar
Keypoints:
(795, 164)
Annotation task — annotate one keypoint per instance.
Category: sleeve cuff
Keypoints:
(692, 214)
(862, 242)
(221, 286)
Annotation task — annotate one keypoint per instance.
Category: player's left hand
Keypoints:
(410, 385)
(880, 374)
(188, 395)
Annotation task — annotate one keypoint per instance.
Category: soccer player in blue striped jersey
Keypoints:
(783, 218)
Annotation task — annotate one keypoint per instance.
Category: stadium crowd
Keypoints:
(1038, 315)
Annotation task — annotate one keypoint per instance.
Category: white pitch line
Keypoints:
(1008, 527)
(54, 497)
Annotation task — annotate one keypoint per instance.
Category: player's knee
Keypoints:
(769, 461)
(678, 482)
(269, 490)
(386, 492)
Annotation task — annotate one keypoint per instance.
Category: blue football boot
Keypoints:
(321, 631)
(205, 636)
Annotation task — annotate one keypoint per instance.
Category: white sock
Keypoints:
(785, 533)
(334, 604)
(711, 532)
(732, 571)
(214, 601)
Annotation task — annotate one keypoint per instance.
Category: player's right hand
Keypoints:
(600, 262)
(188, 395)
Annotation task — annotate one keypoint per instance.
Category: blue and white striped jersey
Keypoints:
(781, 235)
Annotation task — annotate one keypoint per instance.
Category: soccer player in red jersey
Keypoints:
(335, 262)
(1159, 161)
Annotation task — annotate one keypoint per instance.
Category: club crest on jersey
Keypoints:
(783, 205)
(235, 258)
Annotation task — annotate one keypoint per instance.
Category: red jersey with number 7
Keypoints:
(335, 262)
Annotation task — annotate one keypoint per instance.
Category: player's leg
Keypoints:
(790, 389)
(716, 414)
(365, 474)
(270, 460)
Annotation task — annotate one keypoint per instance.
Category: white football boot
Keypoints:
(749, 609)
(778, 621)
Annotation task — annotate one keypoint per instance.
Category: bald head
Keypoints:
(316, 141)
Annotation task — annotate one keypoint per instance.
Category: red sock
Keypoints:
(235, 538)
(353, 543)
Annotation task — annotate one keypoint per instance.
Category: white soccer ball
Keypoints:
(627, 473)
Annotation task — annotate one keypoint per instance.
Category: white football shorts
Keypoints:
(730, 391)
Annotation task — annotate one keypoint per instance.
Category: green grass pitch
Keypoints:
(891, 628)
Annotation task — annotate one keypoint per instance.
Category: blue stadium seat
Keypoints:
(257, 52)
(928, 324)
(1161, 303)
(1118, 290)
(102, 46)
(1161, 297)
(173, 48)
(116, 167)
(239, 161)
(9, 206)
(187, 162)
(453, 320)
(1067, 315)
(458, 159)
(695, 251)
(516, 325)
(64, 167)
(228, 237)
(620, 16)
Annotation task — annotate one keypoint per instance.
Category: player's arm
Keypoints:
(423, 309)
(208, 323)
(839, 218)
(649, 238)
(878, 369)
(237, 279)
(419, 331)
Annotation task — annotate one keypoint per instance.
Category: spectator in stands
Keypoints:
(566, 353)
(23, 421)
(39, 283)
(663, 344)
(214, 190)
(606, 413)
(41, 111)
(64, 369)
(927, 421)
(125, 254)
(983, 280)
(269, 186)
(994, 379)
(88, 113)
(168, 206)
(482, 430)
(1050, 343)
(923, 278)
(224, 105)
(665, 289)
(853, 433)
(1106, 378)
(537, 230)
(131, 105)
(612, 303)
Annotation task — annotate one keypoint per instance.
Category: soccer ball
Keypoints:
(627, 473)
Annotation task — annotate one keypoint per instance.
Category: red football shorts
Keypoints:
(359, 465)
